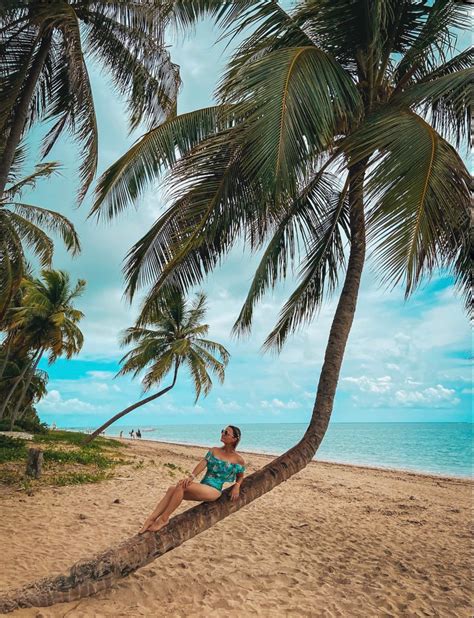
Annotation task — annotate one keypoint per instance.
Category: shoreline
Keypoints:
(432, 475)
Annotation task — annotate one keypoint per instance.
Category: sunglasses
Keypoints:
(227, 433)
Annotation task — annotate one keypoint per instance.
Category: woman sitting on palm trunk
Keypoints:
(224, 465)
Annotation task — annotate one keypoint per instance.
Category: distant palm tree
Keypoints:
(170, 335)
(46, 322)
(24, 226)
(43, 72)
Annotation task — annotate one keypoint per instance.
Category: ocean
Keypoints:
(439, 448)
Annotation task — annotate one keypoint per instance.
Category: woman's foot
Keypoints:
(158, 524)
(148, 522)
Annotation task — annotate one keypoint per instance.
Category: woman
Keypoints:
(224, 465)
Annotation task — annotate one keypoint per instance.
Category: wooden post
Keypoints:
(34, 463)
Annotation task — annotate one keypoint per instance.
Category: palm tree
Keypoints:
(24, 226)
(365, 92)
(372, 89)
(44, 75)
(168, 336)
(46, 322)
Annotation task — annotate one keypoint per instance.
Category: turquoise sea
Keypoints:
(440, 448)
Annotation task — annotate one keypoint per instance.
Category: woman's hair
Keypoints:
(237, 434)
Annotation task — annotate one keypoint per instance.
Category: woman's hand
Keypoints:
(187, 481)
(235, 492)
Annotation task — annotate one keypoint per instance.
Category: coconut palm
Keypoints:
(46, 322)
(23, 226)
(372, 89)
(44, 74)
(170, 335)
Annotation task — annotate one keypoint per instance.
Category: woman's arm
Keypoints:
(197, 470)
(235, 490)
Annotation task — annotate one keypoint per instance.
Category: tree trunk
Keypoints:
(34, 464)
(136, 405)
(5, 403)
(25, 388)
(88, 577)
(21, 111)
(7, 355)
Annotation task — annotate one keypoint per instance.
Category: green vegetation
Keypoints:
(67, 461)
(12, 449)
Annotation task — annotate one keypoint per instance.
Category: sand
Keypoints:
(336, 540)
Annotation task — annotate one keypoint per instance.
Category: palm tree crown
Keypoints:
(369, 88)
(24, 226)
(43, 73)
(170, 335)
(47, 318)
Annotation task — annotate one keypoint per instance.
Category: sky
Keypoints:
(405, 361)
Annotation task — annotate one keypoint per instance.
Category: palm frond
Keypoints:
(434, 41)
(33, 237)
(123, 183)
(417, 194)
(300, 222)
(444, 101)
(139, 64)
(295, 102)
(42, 170)
(319, 273)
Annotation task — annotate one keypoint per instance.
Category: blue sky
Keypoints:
(405, 361)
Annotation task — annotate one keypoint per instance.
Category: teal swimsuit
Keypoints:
(220, 471)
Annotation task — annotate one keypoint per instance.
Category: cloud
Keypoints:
(436, 396)
(101, 375)
(279, 404)
(54, 403)
(227, 405)
(372, 385)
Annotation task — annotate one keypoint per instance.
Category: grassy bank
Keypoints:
(67, 461)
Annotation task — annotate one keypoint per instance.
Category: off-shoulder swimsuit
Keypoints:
(220, 471)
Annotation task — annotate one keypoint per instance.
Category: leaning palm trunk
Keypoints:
(136, 405)
(7, 399)
(21, 398)
(97, 574)
(21, 112)
(7, 356)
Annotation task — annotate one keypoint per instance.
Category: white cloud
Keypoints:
(53, 402)
(227, 405)
(278, 403)
(436, 396)
(372, 385)
(101, 375)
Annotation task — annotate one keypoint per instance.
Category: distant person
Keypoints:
(224, 465)
(121, 434)
(53, 426)
(132, 434)
(139, 433)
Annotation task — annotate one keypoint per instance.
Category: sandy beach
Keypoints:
(336, 540)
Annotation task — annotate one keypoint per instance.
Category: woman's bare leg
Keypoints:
(160, 507)
(194, 491)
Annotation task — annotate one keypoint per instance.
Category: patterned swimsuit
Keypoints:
(220, 471)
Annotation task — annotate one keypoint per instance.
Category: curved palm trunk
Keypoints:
(6, 401)
(91, 576)
(24, 390)
(130, 408)
(7, 356)
(21, 111)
